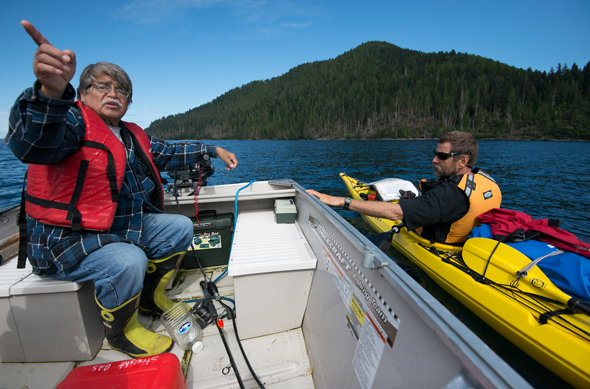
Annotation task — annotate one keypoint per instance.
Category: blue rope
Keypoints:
(232, 237)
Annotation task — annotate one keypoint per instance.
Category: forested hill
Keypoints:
(379, 90)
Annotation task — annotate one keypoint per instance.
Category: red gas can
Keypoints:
(158, 372)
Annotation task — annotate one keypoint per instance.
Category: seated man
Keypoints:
(447, 209)
(94, 200)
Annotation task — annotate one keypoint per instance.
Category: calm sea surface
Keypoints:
(543, 179)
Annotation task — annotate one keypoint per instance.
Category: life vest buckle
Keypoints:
(111, 173)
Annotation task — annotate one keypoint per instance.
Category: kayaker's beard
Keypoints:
(439, 171)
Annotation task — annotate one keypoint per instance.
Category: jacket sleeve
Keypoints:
(177, 155)
(441, 204)
(44, 130)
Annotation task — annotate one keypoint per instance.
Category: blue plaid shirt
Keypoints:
(44, 130)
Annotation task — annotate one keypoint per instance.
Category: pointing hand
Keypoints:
(54, 68)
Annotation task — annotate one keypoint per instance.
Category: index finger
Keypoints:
(34, 33)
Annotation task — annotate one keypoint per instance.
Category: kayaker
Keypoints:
(448, 206)
(94, 198)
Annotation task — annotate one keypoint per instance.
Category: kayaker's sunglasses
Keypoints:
(444, 156)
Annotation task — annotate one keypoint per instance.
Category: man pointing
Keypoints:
(94, 199)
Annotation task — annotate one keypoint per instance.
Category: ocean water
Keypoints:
(543, 179)
(11, 181)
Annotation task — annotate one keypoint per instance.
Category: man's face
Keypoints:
(111, 106)
(448, 167)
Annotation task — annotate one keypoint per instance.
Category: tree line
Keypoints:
(379, 90)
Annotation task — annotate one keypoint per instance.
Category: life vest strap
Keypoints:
(469, 184)
(73, 213)
(22, 230)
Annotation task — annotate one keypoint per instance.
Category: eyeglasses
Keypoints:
(102, 88)
(444, 156)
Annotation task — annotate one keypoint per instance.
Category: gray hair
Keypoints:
(93, 71)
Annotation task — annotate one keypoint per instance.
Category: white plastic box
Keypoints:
(272, 267)
(45, 320)
(10, 347)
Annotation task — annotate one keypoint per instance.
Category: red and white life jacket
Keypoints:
(82, 190)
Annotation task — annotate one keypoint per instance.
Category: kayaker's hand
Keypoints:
(382, 209)
(53, 68)
(228, 157)
(327, 199)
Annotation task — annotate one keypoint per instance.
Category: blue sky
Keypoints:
(181, 54)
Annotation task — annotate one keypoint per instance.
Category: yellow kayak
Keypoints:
(482, 275)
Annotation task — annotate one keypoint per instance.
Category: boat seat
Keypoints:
(46, 320)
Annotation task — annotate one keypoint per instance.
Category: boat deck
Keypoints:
(280, 360)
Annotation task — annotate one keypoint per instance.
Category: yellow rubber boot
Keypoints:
(157, 276)
(124, 333)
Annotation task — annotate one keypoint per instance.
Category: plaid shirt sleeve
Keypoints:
(44, 130)
(177, 155)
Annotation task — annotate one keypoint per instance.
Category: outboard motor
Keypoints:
(194, 176)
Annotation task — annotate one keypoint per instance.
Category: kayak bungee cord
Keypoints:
(545, 313)
(527, 299)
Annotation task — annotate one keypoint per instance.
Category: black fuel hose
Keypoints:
(213, 313)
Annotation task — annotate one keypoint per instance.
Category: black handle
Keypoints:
(208, 299)
(209, 211)
(578, 303)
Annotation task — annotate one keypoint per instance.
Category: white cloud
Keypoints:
(279, 14)
(152, 11)
(295, 25)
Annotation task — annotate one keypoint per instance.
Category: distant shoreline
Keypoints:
(401, 139)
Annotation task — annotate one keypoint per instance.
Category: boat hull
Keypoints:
(362, 327)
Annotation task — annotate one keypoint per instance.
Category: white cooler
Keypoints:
(272, 267)
(10, 346)
(45, 320)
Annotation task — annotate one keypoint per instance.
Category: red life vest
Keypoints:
(82, 190)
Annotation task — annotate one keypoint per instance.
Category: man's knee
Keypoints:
(121, 275)
(130, 264)
(183, 234)
(187, 231)
(166, 234)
